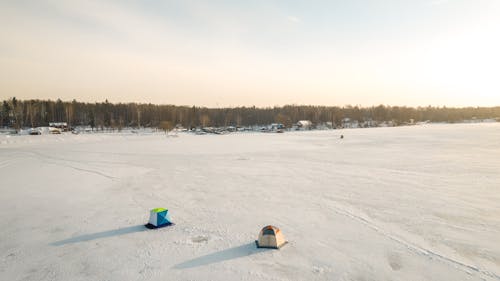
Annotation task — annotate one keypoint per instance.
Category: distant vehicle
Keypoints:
(54, 131)
(34, 132)
(277, 126)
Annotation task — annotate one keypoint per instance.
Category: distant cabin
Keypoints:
(304, 125)
(63, 126)
(349, 123)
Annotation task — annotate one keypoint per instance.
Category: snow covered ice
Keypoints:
(405, 203)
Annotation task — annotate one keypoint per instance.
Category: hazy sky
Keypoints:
(229, 53)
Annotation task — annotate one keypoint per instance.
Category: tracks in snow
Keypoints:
(417, 249)
(64, 163)
(85, 170)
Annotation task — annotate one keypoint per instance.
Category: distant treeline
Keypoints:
(34, 113)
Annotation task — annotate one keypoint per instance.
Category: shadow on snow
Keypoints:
(102, 234)
(228, 254)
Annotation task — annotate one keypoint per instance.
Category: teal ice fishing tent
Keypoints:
(159, 217)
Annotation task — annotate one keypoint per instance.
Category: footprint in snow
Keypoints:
(394, 260)
(199, 239)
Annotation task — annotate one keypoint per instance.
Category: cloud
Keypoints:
(438, 2)
(293, 19)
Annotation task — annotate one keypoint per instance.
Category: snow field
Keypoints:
(405, 203)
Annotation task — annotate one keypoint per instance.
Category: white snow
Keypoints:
(405, 203)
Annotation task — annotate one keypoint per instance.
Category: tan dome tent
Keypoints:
(270, 237)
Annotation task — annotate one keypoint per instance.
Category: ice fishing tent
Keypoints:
(159, 217)
(270, 237)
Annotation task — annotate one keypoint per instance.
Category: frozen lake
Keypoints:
(405, 203)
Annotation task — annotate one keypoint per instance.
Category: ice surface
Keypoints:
(405, 203)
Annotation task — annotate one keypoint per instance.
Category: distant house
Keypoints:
(304, 125)
(349, 123)
(369, 123)
(387, 124)
(180, 128)
(324, 126)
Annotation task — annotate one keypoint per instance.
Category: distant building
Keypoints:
(324, 126)
(370, 123)
(304, 125)
(63, 126)
(349, 123)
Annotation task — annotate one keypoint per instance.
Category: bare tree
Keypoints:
(204, 120)
(166, 126)
(69, 113)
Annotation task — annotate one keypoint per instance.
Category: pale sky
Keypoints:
(263, 53)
